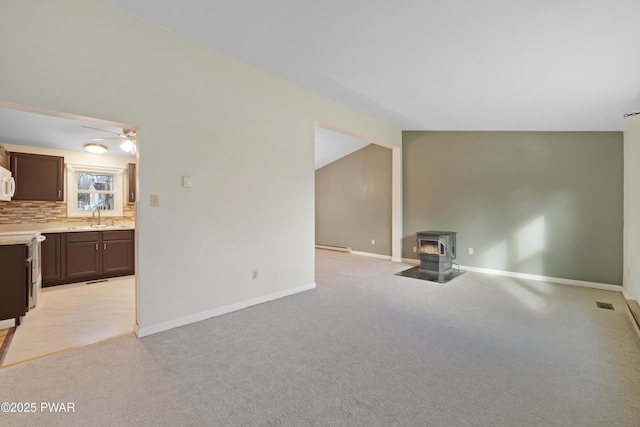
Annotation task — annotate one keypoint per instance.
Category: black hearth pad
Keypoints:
(419, 273)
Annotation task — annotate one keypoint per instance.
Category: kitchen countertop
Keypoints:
(17, 238)
(20, 236)
(86, 228)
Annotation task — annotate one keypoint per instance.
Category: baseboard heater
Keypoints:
(334, 248)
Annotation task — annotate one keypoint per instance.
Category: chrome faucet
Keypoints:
(96, 209)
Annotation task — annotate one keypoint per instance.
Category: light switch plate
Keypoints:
(155, 200)
(186, 181)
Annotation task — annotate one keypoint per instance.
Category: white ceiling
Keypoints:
(331, 146)
(38, 130)
(548, 65)
(562, 65)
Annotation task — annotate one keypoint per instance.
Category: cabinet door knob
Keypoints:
(59, 193)
(105, 246)
(96, 246)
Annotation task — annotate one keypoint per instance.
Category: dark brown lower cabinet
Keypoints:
(83, 255)
(117, 252)
(89, 255)
(51, 257)
(14, 286)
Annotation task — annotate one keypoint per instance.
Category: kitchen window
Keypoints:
(93, 188)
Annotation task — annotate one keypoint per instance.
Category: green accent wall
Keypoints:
(353, 201)
(543, 203)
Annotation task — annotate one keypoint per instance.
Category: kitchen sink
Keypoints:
(101, 227)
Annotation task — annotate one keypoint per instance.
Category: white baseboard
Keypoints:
(370, 255)
(632, 318)
(154, 329)
(351, 251)
(625, 294)
(8, 323)
(571, 282)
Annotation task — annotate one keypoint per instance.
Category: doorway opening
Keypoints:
(357, 193)
(88, 261)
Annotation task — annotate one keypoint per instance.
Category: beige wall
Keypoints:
(632, 209)
(541, 203)
(246, 138)
(353, 201)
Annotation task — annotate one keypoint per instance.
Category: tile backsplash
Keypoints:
(24, 212)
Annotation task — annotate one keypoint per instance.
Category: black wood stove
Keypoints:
(436, 250)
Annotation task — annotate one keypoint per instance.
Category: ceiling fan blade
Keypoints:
(109, 138)
(103, 130)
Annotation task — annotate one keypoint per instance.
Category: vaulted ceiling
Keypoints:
(541, 65)
(568, 65)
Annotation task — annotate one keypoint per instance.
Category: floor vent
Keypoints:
(604, 305)
(96, 281)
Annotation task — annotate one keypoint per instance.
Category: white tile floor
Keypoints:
(71, 315)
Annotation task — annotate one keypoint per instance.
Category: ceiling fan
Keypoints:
(128, 136)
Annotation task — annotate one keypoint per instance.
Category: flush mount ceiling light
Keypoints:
(95, 148)
(128, 135)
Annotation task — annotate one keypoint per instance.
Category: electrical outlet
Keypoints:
(373, 241)
(254, 274)
(415, 249)
(470, 251)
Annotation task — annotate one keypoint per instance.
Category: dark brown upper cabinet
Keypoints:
(131, 179)
(38, 177)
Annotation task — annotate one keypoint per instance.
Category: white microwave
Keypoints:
(7, 185)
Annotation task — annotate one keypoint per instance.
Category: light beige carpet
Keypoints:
(366, 348)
